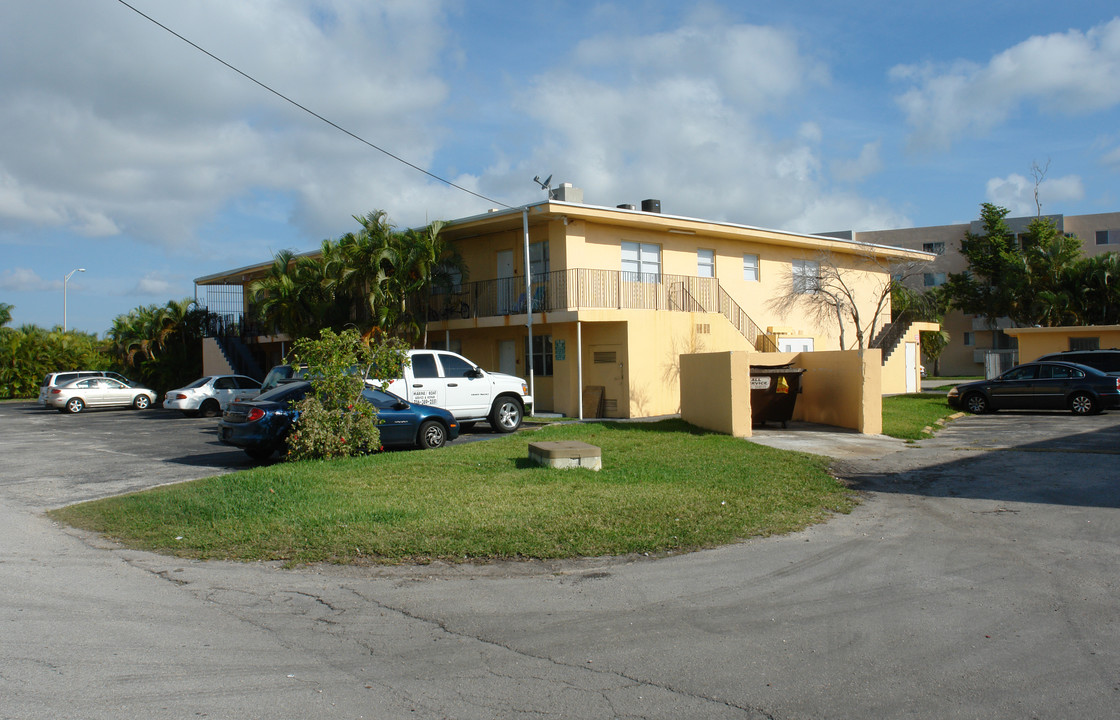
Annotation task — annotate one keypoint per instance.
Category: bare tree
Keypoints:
(848, 291)
(1039, 174)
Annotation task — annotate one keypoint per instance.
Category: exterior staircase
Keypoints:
(892, 334)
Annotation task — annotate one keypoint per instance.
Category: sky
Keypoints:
(133, 155)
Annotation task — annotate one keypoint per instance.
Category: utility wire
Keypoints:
(307, 110)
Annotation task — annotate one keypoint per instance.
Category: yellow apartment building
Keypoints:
(614, 296)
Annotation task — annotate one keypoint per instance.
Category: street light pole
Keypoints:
(65, 280)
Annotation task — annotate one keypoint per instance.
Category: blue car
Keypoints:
(260, 426)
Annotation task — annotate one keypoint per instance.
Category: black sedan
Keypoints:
(1041, 386)
(260, 426)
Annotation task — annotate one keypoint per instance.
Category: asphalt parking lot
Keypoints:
(978, 579)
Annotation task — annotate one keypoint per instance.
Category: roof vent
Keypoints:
(626, 206)
(651, 206)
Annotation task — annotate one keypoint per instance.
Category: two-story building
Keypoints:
(614, 296)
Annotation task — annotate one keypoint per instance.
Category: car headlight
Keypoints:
(953, 392)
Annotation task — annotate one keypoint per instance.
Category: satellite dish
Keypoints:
(545, 184)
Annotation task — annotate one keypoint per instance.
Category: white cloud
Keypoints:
(1016, 193)
(25, 280)
(153, 284)
(131, 131)
(697, 118)
(1073, 72)
(867, 163)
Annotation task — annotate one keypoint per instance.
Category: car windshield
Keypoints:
(380, 398)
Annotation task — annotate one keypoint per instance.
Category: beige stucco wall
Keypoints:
(213, 361)
(1034, 342)
(716, 392)
(839, 388)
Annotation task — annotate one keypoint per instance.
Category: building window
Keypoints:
(1108, 237)
(938, 248)
(750, 268)
(641, 262)
(933, 279)
(538, 260)
(806, 276)
(541, 356)
(969, 339)
(1084, 343)
(706, 263)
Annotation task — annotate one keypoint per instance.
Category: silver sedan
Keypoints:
(73, 397)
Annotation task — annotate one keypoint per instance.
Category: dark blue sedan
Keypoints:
(1041, 386)
(260, 426)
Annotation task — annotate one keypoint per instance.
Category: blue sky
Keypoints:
(126, 152)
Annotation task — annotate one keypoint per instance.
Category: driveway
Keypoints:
(977, 580)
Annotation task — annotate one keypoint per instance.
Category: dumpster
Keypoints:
(774, 390)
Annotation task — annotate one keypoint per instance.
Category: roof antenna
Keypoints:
(545, 184)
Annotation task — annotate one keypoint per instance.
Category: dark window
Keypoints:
(1026, 372)
(1102, 237)
(455, 366)
(247, 383)
(1059, 372)
(934, 247)
(542, 354)
(424, 366)
(1084, 343)
(224, 383)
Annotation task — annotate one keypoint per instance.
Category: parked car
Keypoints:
(281, 373)
(260, 426)
(1041, 386)
(58, 379)
(94, 392)
(1104, 360)
(208, 396)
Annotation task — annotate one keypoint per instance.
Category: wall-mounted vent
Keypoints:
(651, 206)
(604, 356)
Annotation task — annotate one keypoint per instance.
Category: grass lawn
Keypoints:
(907, 416)
(664, 487)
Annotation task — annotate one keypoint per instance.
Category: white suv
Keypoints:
(208, 396)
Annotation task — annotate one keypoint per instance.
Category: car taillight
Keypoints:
(255, 414)
(180, 396)
(56, 391)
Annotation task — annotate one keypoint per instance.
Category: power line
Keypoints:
(307, 110)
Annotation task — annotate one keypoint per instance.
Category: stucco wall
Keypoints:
(717, 393)
(1040, 341)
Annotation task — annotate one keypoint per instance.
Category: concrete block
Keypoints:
(566, 454)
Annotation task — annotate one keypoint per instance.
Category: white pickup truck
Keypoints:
(450, 381)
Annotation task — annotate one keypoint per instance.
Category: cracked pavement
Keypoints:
(978, 579)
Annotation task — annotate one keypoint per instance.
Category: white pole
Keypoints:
(579, 367)
(529, 307)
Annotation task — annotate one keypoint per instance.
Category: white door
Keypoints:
(911, 367)
(467, 394)
(795, 344)
(507, 357)
(505, 282)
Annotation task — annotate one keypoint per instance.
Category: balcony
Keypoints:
(585, 289)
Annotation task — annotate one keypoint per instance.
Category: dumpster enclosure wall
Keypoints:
(841, 388)
(716, 391)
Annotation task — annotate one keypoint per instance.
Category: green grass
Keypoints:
(907, 416)
(664, 487)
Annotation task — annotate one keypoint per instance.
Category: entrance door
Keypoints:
(507, 357)
(607, 370)
(911, 367)
(505, 281)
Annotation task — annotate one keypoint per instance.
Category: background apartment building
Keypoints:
(971, 338)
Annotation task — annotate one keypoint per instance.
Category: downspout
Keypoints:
(529, 309)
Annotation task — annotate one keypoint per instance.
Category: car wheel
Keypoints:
(75, 405)
(260, 454)
(505, 416)
(142, 402)
(209, 409)
(977, 404)
(432, 435)
(1082, 404)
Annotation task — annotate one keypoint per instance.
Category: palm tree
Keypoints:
(5, 314)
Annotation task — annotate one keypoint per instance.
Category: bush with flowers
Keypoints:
(334, 421)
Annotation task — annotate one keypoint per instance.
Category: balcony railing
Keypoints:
(585, 289)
